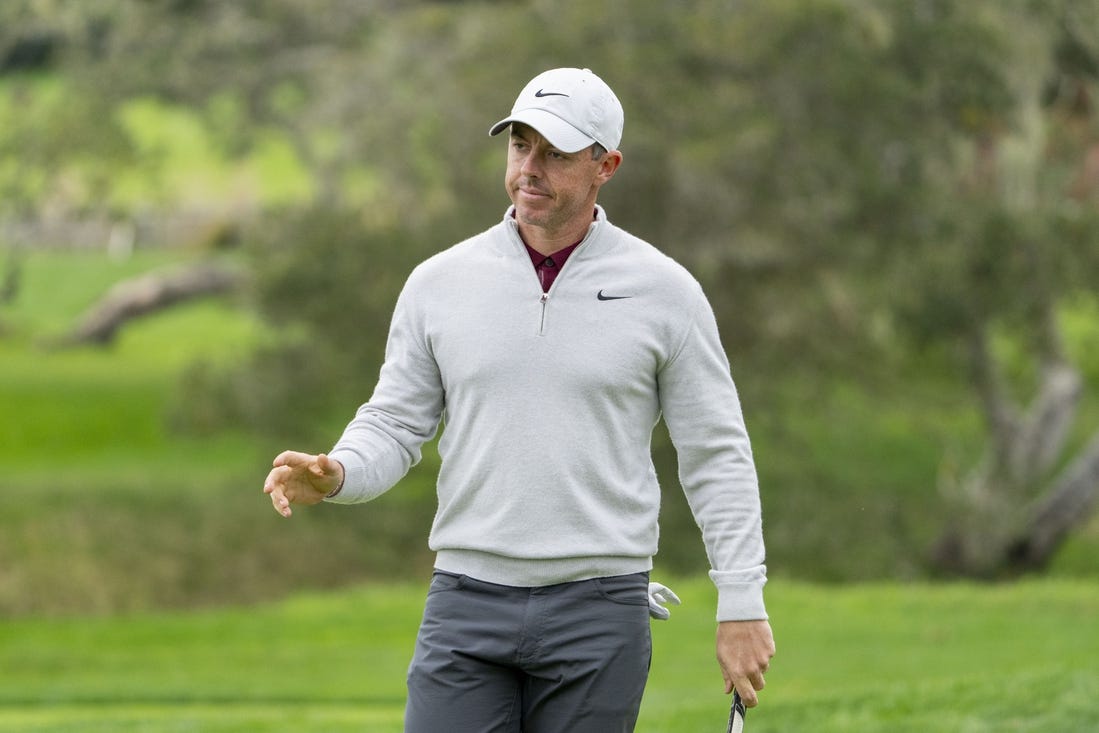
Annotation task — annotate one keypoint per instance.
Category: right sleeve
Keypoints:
(383, 441)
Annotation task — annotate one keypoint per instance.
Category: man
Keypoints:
(550, 379)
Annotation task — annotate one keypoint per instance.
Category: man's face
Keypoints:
(552, 190)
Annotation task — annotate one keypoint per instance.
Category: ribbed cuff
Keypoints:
(739, 601)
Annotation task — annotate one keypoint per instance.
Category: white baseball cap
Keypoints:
(572, 108)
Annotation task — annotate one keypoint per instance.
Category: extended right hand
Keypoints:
(301, 478)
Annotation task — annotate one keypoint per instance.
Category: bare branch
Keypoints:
(145, 294)
(1065, 506)
(1042, 433)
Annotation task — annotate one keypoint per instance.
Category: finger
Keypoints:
(274, 478)
(323, 466)
(280, 502)
(275, 487)
(747, 692)
(292, 458)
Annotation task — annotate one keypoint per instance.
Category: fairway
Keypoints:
(885, 658)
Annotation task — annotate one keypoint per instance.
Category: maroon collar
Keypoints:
(548, 267)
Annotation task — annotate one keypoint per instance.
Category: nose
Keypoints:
(530, 167)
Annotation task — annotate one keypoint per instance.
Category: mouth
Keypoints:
(531, 192)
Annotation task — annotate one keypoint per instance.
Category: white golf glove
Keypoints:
(658, 595)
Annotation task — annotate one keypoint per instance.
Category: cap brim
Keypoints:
(560, 134)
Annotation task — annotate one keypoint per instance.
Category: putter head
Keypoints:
(736, 715)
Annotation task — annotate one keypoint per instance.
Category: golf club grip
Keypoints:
(736, 715)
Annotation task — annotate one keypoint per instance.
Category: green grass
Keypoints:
(90, 415)
(103, 496)
(882, 658)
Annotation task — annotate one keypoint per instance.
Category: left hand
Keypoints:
(744, 651)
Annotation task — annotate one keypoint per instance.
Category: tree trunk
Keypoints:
(1069, 502)
(146, 294)
(1010, 518)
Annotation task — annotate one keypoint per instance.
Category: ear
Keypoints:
(608, 165)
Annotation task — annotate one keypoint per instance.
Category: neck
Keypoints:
(546, 241)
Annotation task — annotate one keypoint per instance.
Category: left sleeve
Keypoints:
(716, 469)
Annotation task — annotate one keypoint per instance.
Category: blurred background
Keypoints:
(207, 210)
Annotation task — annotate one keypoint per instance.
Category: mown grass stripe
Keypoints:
(881, 658)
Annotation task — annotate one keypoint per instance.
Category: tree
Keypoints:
(1029, 248)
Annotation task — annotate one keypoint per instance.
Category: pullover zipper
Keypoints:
(545, 295)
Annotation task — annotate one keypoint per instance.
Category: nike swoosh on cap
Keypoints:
(541, 93)
(600, 296)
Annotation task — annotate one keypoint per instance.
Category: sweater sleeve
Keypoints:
(384, 439)
(716, 469)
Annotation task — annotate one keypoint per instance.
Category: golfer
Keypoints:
(548, 347)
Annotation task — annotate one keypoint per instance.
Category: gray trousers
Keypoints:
(500, 659)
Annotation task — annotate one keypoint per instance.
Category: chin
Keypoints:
(529, 219)
(528, 215)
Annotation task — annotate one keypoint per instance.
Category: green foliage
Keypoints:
(52, 157)
(326, 281)
(818, 163)
(856, 183)
(905, 657)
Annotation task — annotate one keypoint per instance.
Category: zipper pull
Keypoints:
(542, 321)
